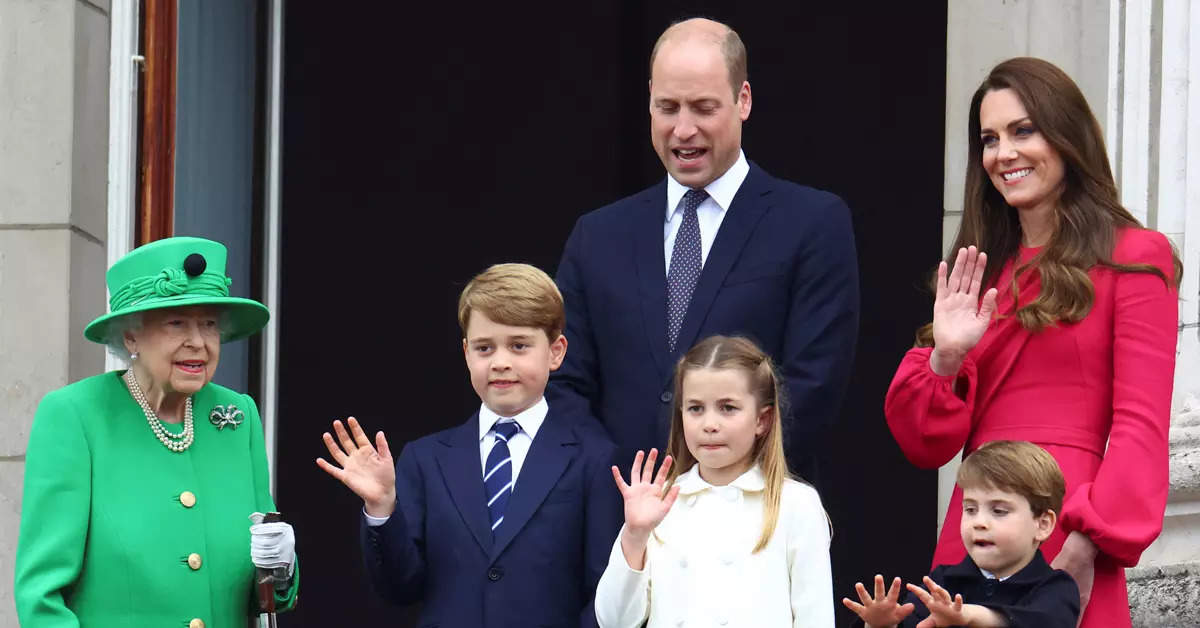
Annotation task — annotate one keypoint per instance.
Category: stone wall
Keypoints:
(1165, 597)
(53, 170)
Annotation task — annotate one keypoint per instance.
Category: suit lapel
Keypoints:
(459, 463)
(548, 457)
(748, 207)
(651, 265)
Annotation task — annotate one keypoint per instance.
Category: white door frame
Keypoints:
(125, 62)
(269, 384)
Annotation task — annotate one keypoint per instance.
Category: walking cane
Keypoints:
(265, 580)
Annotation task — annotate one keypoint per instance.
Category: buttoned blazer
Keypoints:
(782, 270)
(106, 537)
(542, 565)
(1034, 597)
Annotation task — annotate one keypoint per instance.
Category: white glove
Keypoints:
(272, 545)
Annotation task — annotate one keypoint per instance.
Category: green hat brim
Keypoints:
(243, 317)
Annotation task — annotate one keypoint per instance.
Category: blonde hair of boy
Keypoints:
(1019, 467)
(740, 354)
(514, 294)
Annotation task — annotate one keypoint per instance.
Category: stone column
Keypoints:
(54, 64)
(1163, 176)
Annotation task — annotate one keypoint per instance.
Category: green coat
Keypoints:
(105, 536)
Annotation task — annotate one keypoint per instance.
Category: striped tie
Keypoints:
(498, 477)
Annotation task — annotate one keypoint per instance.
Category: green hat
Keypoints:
(176, 272)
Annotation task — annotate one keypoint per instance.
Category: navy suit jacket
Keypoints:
(541, 568)
(782, 271)
(1037, 596)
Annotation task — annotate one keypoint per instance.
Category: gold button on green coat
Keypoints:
(102, 530)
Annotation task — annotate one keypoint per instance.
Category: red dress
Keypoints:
(1073, 389)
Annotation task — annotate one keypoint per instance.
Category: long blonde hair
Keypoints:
(740, 354)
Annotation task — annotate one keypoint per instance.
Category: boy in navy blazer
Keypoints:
(1012, 492)
(505, 521)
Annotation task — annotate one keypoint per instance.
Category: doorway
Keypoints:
(424, 142)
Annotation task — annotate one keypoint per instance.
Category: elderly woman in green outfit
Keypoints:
(141, 486)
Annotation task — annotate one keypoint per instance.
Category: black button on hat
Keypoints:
(194, 265)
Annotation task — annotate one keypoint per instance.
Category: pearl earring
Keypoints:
(133, 356)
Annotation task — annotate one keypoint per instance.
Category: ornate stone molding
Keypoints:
(1161, 597)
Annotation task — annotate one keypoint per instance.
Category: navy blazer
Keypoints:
(543, 565)
(782, 271)
(1034, 597)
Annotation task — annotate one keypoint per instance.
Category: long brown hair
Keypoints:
(739, 354)
(1089, 211)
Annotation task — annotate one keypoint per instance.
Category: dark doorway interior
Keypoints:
(425, 141)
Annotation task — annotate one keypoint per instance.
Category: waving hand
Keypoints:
(959, 318)
(368, 471)
(646, 505)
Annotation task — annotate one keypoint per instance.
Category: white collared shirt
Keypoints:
(700, 571)
(991, 576)
(530, 421)
(709, 213)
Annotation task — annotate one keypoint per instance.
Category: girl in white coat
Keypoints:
(731, 540)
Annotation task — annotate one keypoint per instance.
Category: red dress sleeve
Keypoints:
(927, 417)
(1121, 510)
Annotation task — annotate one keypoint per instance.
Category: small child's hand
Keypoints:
(884, 609)
(943, 611)
(645, 503)
(365, 469)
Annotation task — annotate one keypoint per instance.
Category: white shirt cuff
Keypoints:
(374, 522)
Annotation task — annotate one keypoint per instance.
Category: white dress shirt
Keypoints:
(518, 446)
(709, 213)
(700, 571)
(991, 576)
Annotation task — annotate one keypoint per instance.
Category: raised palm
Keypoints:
(365, 469)
(959, 318)
(646, 505)
(882, 610)
(944, 609)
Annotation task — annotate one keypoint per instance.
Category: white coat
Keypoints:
(699, 569)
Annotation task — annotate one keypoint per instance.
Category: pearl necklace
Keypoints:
(176, 443)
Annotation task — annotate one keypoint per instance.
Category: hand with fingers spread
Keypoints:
(945, 610)
(365, 469)
(882, 610)
(959, 317)
(646, 505)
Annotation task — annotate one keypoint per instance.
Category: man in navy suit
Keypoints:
(718, 247)
(506, 521)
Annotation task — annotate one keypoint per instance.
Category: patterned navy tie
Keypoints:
(685, 265)
(498, 479)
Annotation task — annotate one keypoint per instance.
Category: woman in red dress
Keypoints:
(1072, 344)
